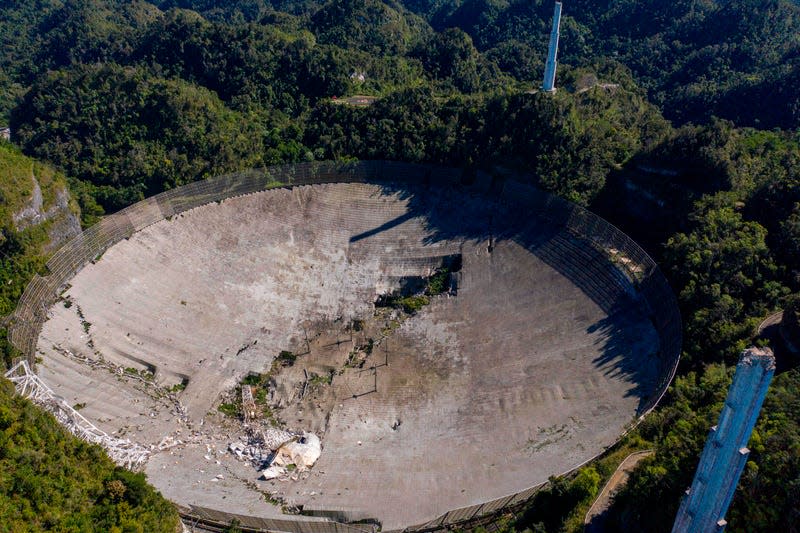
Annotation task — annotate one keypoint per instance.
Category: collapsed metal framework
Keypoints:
(248, 404)
(28, 385)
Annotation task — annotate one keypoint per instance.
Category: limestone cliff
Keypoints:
(35, 195)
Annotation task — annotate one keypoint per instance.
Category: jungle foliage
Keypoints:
(51, 481)
(131, 98)
(732, 259)
(736, 59)
(23, 243)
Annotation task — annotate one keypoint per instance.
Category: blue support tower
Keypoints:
(704, 506)
(550, 68)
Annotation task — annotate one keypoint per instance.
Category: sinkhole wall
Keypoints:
(634, 267)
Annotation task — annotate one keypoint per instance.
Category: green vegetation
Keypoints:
(215, 95)
(732, 260)
(261, 401)
(125, 148)
(439, 283)
(286, 358)
(127, 99)
(233, 527)
(145, 374)
(568, 143)
(24, 244)
(178, 387)
(556, 502)
(765, 500)
(51, 481)
(434, 285)
(230, 409)
(252, 379)
(731, 59)
(321, 379)
(408, 304)
(259, 384)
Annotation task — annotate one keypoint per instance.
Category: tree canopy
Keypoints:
(677, 121)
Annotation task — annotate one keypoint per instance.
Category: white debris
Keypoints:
(167, 443)
(273, 472)
(302, 452)
(28, 385)
(237, 448)
(274, 438)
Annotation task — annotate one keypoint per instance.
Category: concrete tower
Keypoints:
(704, 506)
(550, 68)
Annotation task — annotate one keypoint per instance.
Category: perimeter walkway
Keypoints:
(596, 517)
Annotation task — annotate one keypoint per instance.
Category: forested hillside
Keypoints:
(49, 480)
(736, 59)
(677, 121)
(36, 215)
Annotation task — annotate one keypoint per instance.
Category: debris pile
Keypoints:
(302, 452)
(299, 454)
(28, 385)
(277, 451)
(252, 453)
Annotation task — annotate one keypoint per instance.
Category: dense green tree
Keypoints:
(50, 480)
(551, 505)
(23, 243)
(733, 59)
(768, 491)
(730, 270)
(649, 501)
(368, 25)
(451, 56)
(566, 144)
(725, 276)
(128, 134)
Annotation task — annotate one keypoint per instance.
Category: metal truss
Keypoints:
(122, 451)
(248, 404)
